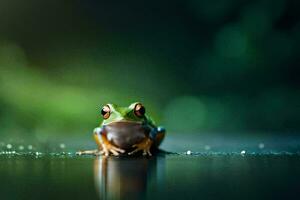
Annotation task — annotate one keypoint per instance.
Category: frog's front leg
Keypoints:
(104, 146)
(155, 137)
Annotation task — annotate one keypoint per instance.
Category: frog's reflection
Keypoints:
(127, 178)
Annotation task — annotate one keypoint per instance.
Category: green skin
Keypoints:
(125, 132)
(126, 114)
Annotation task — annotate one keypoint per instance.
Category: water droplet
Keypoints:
(62, 145)
(243, 152)
(30, 147)
(21, 147)
(188, 152)
(9, 146)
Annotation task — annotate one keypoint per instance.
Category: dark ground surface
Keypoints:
(218, 167)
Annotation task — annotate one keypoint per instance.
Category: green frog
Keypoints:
(126, 130)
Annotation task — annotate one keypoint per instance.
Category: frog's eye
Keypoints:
(105, 112)
(139, 110)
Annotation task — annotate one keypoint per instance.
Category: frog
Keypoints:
(126, 131)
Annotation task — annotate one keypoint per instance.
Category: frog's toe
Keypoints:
(117, 149)
(114, 152)
(147, 152)
(143, 146)
(102, 153)
(86, 152)
(134, 151)
(107, 149)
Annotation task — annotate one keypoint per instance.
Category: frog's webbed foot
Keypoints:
(144, 146)
(105, 147)
(108, 148)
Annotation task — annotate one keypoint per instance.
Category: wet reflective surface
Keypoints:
(210, 174)
(128, 178)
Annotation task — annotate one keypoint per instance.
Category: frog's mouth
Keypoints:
(124, 134)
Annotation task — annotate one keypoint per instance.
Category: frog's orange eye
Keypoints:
(105, 112)
(139, 110)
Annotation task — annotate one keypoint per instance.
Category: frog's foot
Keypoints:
(144, 146)
(87, 152)
(108, 148)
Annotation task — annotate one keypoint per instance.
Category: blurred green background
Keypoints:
(199, 66)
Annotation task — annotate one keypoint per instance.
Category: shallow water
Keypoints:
(198, 168)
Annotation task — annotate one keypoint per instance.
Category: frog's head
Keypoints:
(124, 125)
(134, 113)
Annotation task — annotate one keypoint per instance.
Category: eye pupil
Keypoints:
(142, 110)
(139, 110)
(105, 112)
